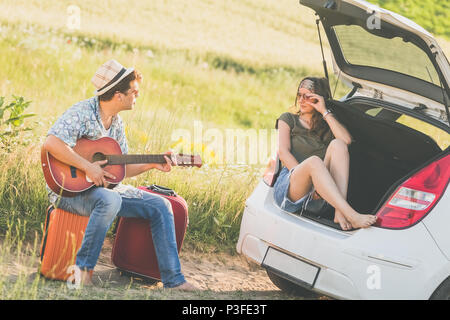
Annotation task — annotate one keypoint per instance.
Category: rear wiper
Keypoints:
(420, 107)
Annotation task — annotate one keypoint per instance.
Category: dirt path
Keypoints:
(220, 276)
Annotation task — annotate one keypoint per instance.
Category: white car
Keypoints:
(397, 112)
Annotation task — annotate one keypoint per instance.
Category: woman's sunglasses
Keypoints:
(305, 96)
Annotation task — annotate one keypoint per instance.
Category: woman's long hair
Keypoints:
(321, 87)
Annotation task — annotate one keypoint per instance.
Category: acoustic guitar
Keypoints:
(69, 181)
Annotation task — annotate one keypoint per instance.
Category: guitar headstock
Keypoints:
(187, 160)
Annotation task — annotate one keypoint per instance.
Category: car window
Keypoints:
(441, 137)
(360, 47)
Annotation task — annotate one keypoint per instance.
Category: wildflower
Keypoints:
(207, 155)
(143, 138)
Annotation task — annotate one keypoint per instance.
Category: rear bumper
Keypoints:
(370, 263)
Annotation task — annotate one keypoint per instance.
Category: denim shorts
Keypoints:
(281, 189)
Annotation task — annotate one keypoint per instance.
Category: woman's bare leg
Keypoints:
(313, 171)
(337, 161)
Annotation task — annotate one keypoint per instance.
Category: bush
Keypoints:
(13, 125)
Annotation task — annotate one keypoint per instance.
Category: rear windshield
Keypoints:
(441, 137)
(362, 48)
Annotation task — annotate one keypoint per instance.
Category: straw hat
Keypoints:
(108, 75)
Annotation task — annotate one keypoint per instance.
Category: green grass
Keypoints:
(178, 89)
(53, 69)
(262, 32)
(433, 15)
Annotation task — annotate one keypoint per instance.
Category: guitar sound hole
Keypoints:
(98, 156)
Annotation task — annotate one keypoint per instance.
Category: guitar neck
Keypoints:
(135, 158)
(181, 159)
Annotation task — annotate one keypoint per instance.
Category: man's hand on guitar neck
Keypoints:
(166, 167)
(135, 169)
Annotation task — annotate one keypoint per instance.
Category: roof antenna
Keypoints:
(321, 47)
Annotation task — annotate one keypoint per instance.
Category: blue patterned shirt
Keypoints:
(83, 120)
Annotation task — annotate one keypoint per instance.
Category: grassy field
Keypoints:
(433, 15)
(234, 85)
(174, 95)
(241, 80)
(263, 32)
(178, 89)
(226, 65)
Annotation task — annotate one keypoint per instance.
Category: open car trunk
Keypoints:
(383, 151)
(389, 57)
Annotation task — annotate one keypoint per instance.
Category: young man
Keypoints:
(117, 90)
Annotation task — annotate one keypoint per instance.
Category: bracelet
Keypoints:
(326, 113)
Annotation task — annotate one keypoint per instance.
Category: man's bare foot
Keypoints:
(362, 220)
(339, 218)
(187, 286)
(86, 278)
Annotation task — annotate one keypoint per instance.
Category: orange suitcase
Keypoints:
(63, 234)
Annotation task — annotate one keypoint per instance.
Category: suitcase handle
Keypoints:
(162, 190)
(44, 240)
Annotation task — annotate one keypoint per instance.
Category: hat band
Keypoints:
(117, 77)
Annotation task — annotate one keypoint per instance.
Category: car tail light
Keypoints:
(415, 197)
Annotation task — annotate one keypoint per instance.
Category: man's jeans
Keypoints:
(103, 205)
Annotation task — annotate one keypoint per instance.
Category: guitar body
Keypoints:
(69, 181)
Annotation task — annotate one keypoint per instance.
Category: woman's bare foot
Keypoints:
(339, 218)
(362, 220)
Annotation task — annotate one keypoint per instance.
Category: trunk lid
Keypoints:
(386, 55)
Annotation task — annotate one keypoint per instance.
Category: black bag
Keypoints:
(318, 207)
(162, 190)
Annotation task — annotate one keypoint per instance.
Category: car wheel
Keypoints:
(289, 287)
(442, 292)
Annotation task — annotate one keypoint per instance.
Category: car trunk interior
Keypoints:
(382, 152)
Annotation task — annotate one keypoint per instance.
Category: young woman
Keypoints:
(313, 150)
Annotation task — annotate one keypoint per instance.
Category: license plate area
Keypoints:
(291, 268)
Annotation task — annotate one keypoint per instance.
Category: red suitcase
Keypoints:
(133, 250)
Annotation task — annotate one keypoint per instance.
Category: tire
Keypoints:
(442, 292)
(289, 287)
